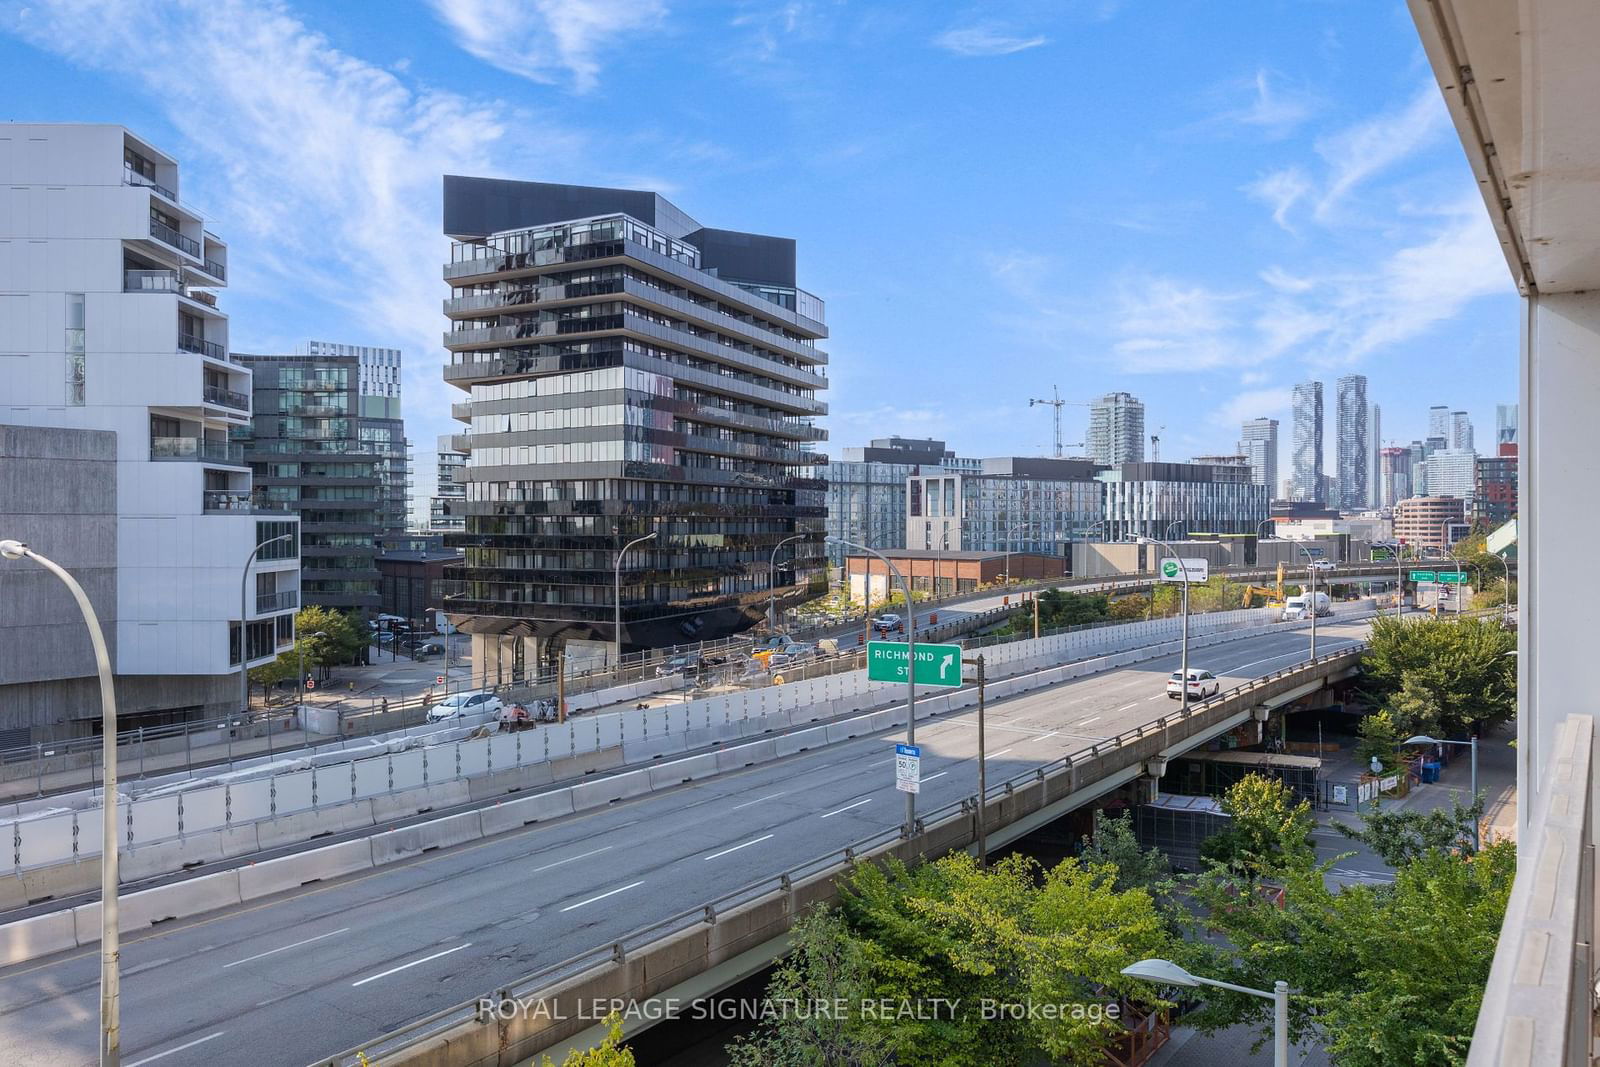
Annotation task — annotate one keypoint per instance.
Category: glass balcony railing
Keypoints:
(190, 343)
(228, 500)
(162, 232)
(216, 269)
(195, 449)
(282, 600)
(133, 177)
(227, 398)
(150, 281)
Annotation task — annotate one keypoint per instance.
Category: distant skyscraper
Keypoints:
(1116, 429)
(380, 428)
(1374, 470)
(1505, 424)
(1439, 421)
(1394, 483)
(1353, 451)
(1308, 441)
(1452, 472)
(1258, 442)
(1460, 431)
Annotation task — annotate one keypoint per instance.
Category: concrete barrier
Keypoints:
(414, 840)
(292, 872)
(177, 900)
(511, 780)
(61, 880)
(731, 759)
(683, 770)
(789, 744)
(42, 935)
(432, 797)
(162, 857)
(316, 822)
(604, 791)
(515, 814)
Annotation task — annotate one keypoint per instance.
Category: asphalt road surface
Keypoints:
(304, 975)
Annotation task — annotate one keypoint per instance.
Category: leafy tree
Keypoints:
(1113, 844)
(343, 642)
(1136, 606)
(1454, 672)
(1269, 832)
(1400, 837)
(1380, 737)
(610, 1052)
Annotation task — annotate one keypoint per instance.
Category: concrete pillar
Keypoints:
(1558, 470)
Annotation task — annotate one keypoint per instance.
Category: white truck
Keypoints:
(1300, 607)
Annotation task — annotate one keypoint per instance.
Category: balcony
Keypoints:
(226, 398)
(150, 281)
(162, 232)
(190, 343)
(282, 600)
(133, 177)
(216, 269)
(219, 501)
(461, 410)
(196, 450)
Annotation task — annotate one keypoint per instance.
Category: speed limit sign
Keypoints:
(438, 679)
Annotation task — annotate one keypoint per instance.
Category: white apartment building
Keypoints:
(1452, 472)
(109, 321)
(447, 490)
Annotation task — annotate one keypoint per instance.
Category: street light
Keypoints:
(1165, 972)
(1264, 522)
(1010, 536)
(1505, 601)
(772, 579)
(617, 642)
(1424, 739)
(1312, 603)
(1183, 667)
(911, 660)
(244, 629)
(110, 947)
(1178, 522)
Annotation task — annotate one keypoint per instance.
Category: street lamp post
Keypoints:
(617, 616)
(1424, 739)
(772, 580)
(1165, 972)
(911, 660)
(1312, 602)
(1505, 601)
(1183, 663)
(110, 945)
(244, 628)
(1011, 533)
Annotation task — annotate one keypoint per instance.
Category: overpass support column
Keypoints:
(1558, 477)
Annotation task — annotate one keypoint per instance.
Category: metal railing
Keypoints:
(162, 232)
(839, 859)
(226, 500)
(150, 281)
(133, 177)
(190, 343)
(216, 269)
(196, 449)
(227, 398)
(282, 600)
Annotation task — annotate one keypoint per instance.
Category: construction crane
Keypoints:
(1155, 445)
(1058, 404)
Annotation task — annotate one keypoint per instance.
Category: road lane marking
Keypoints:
(736, 848)
(602, 896)
(1002, 752)
(1130, 707)
(180, 1048)
(285, 948)
(570, 859)
(757, 800)
(931, 777)
(1161, 696)
(413, 963)
(847, 807)
(1090, 719)
(1052, 733)
(881, 762)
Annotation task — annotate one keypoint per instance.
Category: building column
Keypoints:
(1558, 580)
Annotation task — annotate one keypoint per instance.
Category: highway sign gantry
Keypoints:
(936, 664)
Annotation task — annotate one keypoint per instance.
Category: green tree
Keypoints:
(1268, 833)
(342, 642)
(1112, 844)
(610, 1052)
(1380, 737)
(1134, 606)
(1400, 837)
(1456, 672)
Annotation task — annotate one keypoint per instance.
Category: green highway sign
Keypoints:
(1423, 576)
(1445, 577)
(936, 664)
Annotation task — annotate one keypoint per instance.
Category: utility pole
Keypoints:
(983, 785)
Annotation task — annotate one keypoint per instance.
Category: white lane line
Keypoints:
(152, 965)
(1130, 707)
(1090, 719)
(847, 807)
(757, 800)
(1052, 733)
(413, 963)
(931, 777)
(1160, 696)
(602, 896)
(570, 859)
(1002, 752)
(285, 948)
(736, 848)
(881, 762)
(180, 1048)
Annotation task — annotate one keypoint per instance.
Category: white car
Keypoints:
(460, 705)
(1322, 565)
(1202, 684)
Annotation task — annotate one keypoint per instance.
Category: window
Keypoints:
(75, 349)
(266, 531)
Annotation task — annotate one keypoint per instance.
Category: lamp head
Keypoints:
(1164, 971)
(13, 549)
(1420, 739)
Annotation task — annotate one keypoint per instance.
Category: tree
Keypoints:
(1134, 606)
(1400, 837)
(342, 643)
(1269, 832)
(1380, 737)
(1455, 673)
(610, 1052)
(1112, 844)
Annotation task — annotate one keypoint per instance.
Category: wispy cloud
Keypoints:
(1251, 404)
(985, 39)
(547, 41)
(1281, 190)
(1268, 106)
(1361, 151)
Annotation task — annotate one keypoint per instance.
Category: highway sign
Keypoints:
(908, 768)
(1197, 570)
(936, 664)
(1424, 576)
(1452, 577)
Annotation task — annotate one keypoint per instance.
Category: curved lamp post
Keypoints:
(1312, 571)
(244, 627)
(617, 617)
(1165, 972)
(1424, 739)
(1183, 667)
(772, 579)
(110, 946)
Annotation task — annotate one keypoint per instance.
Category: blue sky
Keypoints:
(1199, 203)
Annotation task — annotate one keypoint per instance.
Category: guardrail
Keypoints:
(393, 1044)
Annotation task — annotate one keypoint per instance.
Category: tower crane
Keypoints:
(1058, 404)
(1155, 445)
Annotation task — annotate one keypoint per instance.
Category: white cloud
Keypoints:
(985, 39)
(542, 40)
(1367, 148)
(1251, 404)
(1272, 109)
(1281, 190)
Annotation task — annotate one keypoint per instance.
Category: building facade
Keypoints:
(1015, 504)
(867, 491)
(415, 581)
(381, 428)
(1116, 429)
(1351, 448)
(307, 455)
(450, 463)
(1452, 472)
(1439, 422)
(109, 309)
(1374, 463)
(1505, 424)
(1307, 472)
(1258, 440)
(1461, 431)
(1429, 522)
(1146, 499)
(1394, 475)
(628, 373)
(1494, 499)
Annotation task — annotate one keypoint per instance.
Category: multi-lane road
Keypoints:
(301, 976)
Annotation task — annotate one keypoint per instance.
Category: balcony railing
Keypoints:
(133, 177)
(282, 600)
(216, 270)
(229, 500)
(190, 343)
(162, 232)
(227, 398)
(150, 281)
(195, 449)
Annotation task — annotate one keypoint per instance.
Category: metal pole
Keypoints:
(561, 686)
(1280, 1024)
(1183, 663)
(1505, 601)
(244, 627)
(1477, 844)
(110, 945)
(772, 580)
(1399, 583)
(1312, 603)
(617, 618)
(983, 785)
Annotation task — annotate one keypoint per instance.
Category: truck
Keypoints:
(1300, 607)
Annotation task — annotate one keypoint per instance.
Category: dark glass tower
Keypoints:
(628, 372)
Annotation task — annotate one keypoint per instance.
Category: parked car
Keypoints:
(1322, 565)
(885, 623)
(687, 665)
(460, 705)
(430, 648)
(798, 653)
(1202, 684)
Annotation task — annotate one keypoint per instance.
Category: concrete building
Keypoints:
(1307, 471)
(955, 572)
(1494, 498)
(414, 581)
(307, 455)
(867, 491)
(629, 372)
(1460, 431)
(1116, 429)
(1144, 499)
(1374, 464)
(1236, 460)
(1429, 522)
(1018, 504)
(1394, 475)
(1439, 422)
(108, 308)
(1258, 440)
(381, 429)
(444, 514)
(1452, 472)
(1352, 450)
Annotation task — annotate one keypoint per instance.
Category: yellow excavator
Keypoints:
(1273, 597)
